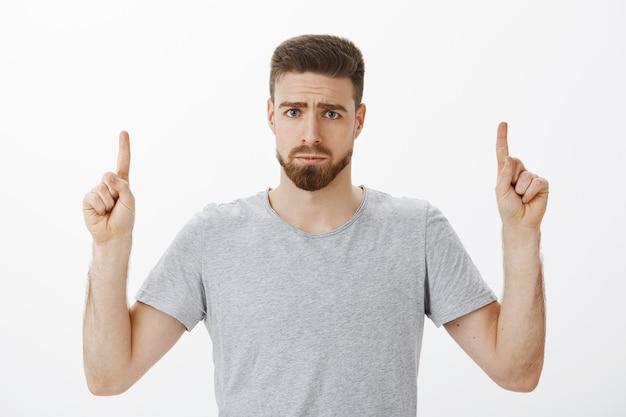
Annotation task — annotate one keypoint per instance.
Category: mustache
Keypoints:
(310, 149)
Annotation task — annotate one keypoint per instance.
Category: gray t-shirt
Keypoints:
(323, 324)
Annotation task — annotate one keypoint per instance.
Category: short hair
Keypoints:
(323, 54)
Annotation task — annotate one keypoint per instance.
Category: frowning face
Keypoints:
(315, 121)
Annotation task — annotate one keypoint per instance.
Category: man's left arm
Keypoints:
(507, 339)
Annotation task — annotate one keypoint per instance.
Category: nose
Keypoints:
(312, 133)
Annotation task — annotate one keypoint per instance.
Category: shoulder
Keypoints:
(384, 202)
(409, 211)
(245, 206)
(229, 215)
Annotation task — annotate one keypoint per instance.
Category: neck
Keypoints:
(317, 211)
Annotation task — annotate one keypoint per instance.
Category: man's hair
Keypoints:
(328, 55)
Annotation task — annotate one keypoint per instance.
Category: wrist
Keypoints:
(523, 233)
(521, 248)
(110, 260)
(108, 248)
(519, 236)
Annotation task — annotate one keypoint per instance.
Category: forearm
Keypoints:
(507, 339)
(107, 327)
(522, 323)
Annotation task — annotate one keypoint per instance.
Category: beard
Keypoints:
(313, 177)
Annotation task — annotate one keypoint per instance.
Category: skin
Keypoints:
(308, 95)
(506, 339)
(119, 345)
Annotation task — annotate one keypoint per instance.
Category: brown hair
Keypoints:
(323, 54)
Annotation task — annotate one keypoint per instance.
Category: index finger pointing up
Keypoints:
(502, 145)
(123, 156)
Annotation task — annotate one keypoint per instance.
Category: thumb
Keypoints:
(120, 190)
(505, 177)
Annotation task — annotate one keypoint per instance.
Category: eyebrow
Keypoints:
(303, 105)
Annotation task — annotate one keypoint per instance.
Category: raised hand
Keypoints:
(109, 208)
(522, 196)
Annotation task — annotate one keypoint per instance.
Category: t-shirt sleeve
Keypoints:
(174, 286)
(454, 286)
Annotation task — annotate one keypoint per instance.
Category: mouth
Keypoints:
(310, 159)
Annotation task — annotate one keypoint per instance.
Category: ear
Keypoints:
(270, 115)
(359, 119)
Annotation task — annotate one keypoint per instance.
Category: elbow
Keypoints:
(102, 387)
(520, 380)
(520, 384)
(106, 379)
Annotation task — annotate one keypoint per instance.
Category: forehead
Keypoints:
(294, 86)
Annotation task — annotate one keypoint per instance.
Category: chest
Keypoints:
(307, 290)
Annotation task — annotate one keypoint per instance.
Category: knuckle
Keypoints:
(101, 189)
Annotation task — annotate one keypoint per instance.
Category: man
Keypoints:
(315, 292)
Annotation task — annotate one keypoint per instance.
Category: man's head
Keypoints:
(315, 109)
(327, 55)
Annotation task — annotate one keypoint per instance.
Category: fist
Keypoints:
(522, 196)
(109, 208)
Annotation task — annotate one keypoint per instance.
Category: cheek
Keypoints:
(287, 134)
(283, 136)
(284, 139)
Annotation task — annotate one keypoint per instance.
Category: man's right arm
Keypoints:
(119, 344)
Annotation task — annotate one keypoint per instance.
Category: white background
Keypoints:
(188, 80)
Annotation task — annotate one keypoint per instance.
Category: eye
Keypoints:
(292, 113)
(332, 114)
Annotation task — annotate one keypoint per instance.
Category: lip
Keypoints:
(311, 159)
